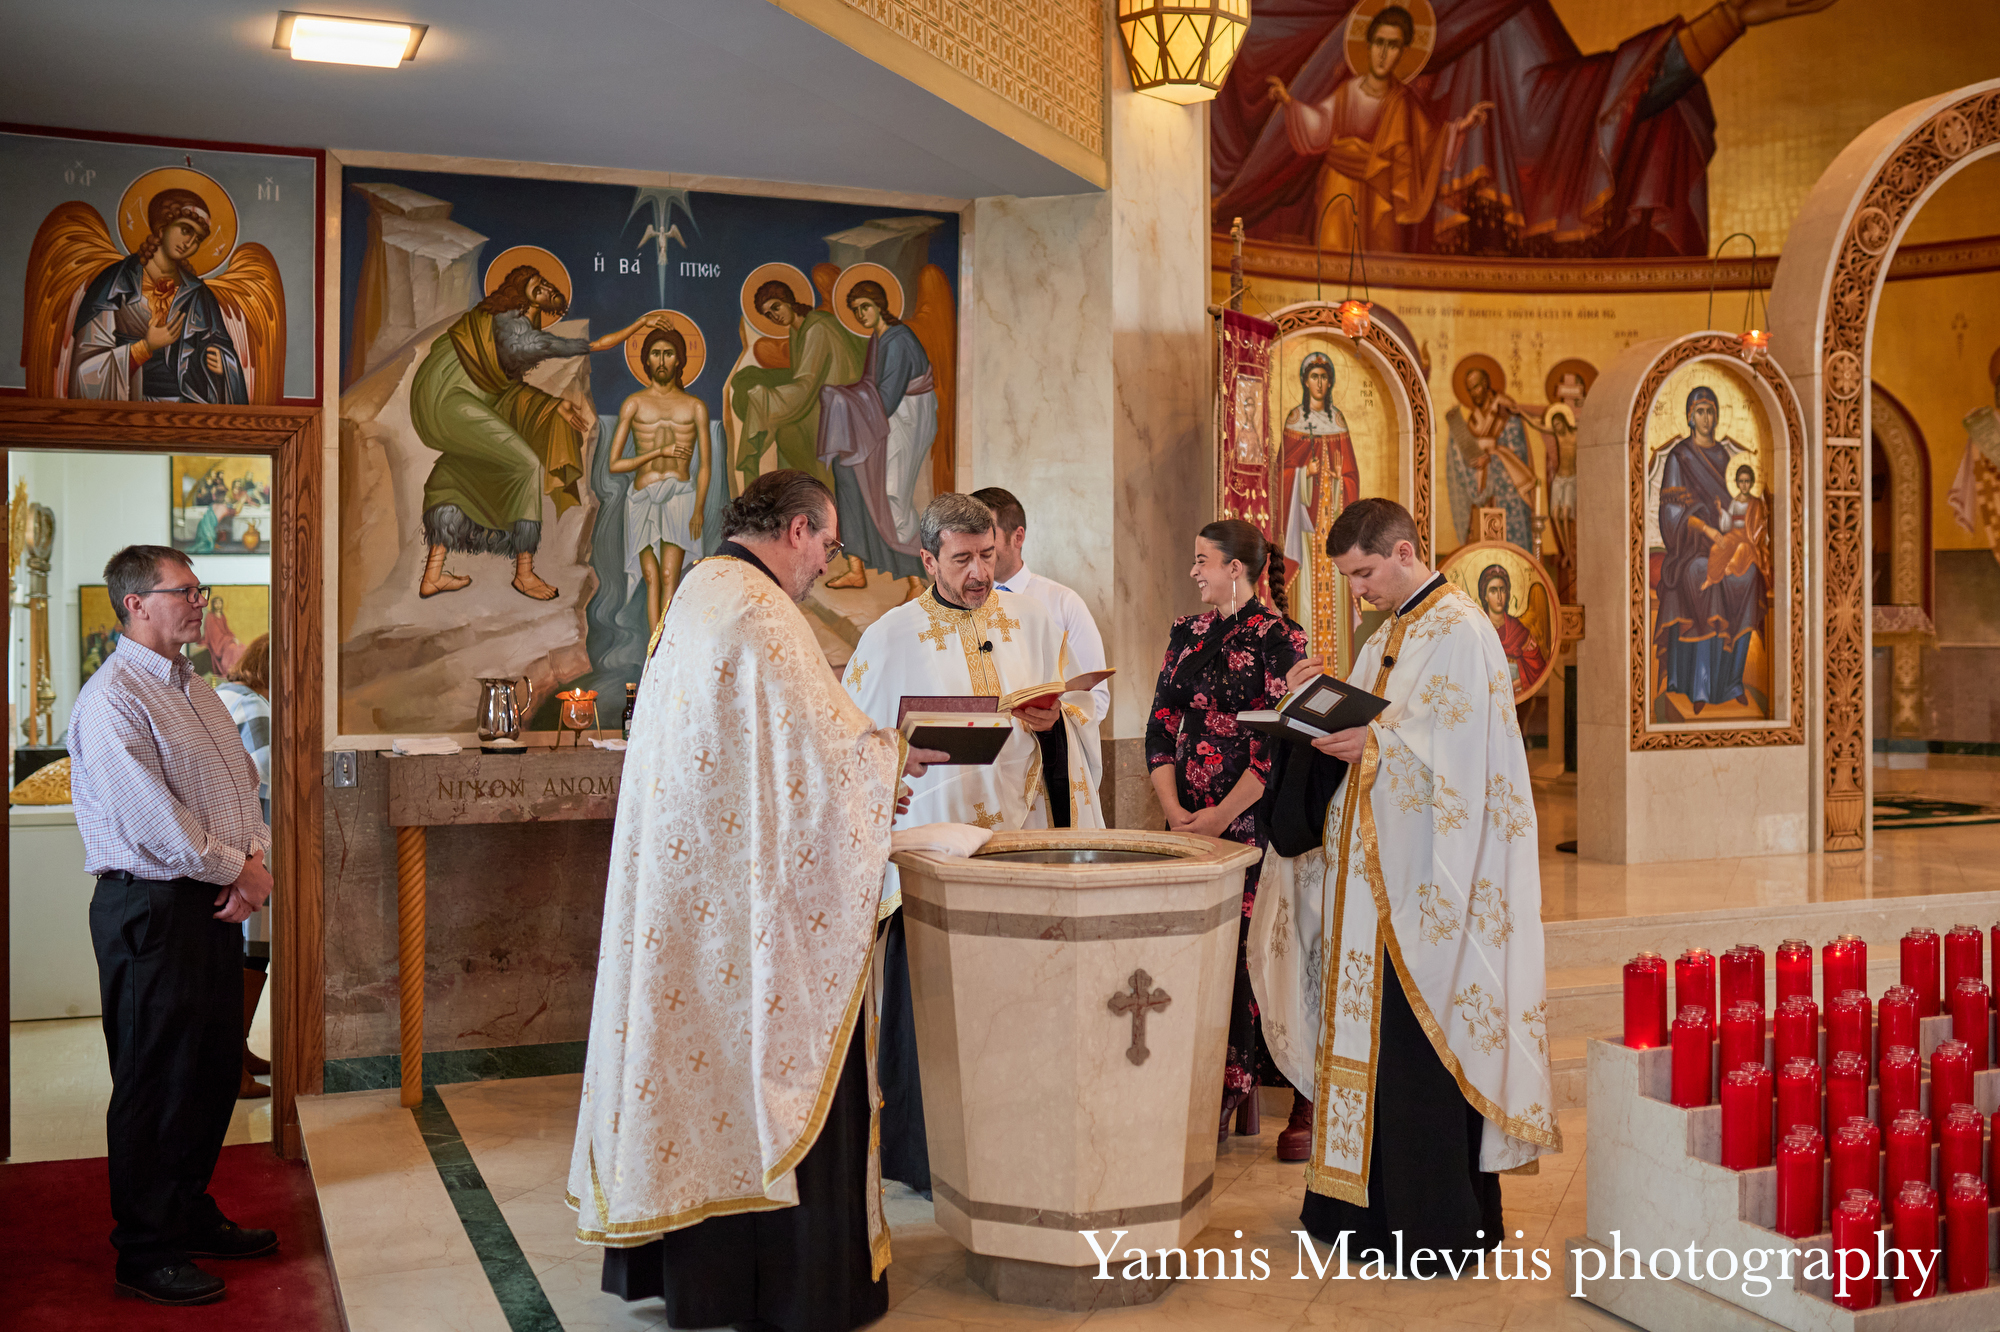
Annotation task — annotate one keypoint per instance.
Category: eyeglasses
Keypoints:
(195, 594)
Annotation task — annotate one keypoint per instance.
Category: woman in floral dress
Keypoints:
(1209, 772)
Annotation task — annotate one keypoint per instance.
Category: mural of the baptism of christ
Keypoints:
(158, 271)
(539, 437)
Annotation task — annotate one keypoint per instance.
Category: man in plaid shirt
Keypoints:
(166, 800)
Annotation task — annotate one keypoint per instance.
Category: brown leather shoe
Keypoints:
(249, 1089)
(1295, 1141)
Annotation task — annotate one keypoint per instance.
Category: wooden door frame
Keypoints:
(290, 436)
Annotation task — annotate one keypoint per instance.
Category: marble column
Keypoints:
(1086, 393)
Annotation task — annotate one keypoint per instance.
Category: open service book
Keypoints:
(1316, 708)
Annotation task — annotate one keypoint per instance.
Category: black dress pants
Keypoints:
(171, 979)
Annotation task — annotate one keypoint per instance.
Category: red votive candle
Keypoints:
(1996, 953)
(1961, 1141)
(1965, 1233)
(1646, 1002)
(1951, 1074)
(1847, 1024)
(1917, 1236)
(1742, 1035)
(1798, 1096)
(1694, 981)
(1794, 961)
(1796, 1030)
(1857, 1218)
(1740, 1103)
(1920, 968)
(1968, 1020)
(1908, 1141)
(1857, 1158)
(1765, 1086)
(1800, 1172)
(1902, 1080)
(1846, 1090)
(1963, 948)
(1692, 1057)
(1993, 1150)
(1896, 1019)
(1743, 977)
(1843, 966)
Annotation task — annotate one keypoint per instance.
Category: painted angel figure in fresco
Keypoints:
(1320, 476)
(1521, 636)
(158, 324)
(1488, 465)
(779, 406)
(504, 443)
(1602, 154)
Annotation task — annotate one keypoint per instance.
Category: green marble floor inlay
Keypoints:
(376, 1072)
(521, 1296)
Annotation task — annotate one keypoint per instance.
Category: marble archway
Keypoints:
(1901, 610)
(1823, 303)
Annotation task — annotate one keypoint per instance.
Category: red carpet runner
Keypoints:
(57, 1273)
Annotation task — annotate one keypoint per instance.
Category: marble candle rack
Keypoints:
(1654, 1180)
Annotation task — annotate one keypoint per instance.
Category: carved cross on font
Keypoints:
(1143, 1000)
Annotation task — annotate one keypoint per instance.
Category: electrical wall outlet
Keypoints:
(346, 771)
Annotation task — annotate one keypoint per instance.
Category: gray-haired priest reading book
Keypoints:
(964, 640)
(1396, 945)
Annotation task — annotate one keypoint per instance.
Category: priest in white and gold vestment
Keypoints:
(963, 637)
(723, 1150)
(1398, 966)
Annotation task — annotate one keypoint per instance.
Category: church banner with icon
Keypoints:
(550, 390)
(158, 271)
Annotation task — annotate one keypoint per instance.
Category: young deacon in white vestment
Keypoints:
(723, 1149)
(1012, 574)
(964, 638)
(1398, 963)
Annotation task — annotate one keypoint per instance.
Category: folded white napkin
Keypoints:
(424, 744)
(944, 839)
(607, 744)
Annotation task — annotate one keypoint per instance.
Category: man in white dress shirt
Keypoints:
(1065, 607)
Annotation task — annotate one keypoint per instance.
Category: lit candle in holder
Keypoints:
(1857, 1219)
(1969, 1020)
(1843, 966)
(1963, 947)
(1896, 1018)
(1857, 1158)
(1917, 1236)
(1902, 1079)
(1794, 961)
(1961, 1141)
(1764, 1108)
(1646, 1002)
(1694, 981)
(1951, 1074)
(1847, 1024)
(1846, 1088)
(1801, 1177)
(1908, 1142)
(1740, 1103)
(1796, 1030)
(1965, 1233)
(1798, 1096)
(1692, 1057)
(1920, 968)
(1742, 1035)
(1743, 977)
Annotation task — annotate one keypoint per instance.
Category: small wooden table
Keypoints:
(430, 790)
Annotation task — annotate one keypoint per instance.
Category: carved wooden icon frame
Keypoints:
(290, 436)
(1769, 384)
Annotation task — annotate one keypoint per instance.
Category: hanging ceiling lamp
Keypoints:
(1356, 317)
(1181, 50)
(1753, 343)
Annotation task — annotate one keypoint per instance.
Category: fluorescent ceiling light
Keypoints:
(346, 41)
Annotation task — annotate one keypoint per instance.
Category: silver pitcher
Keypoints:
(503, 711)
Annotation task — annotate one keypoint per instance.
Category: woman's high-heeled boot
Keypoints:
(1295, 1140)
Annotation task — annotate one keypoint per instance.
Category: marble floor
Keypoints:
(1910, 862)
(412, 1256)
(62, 1084)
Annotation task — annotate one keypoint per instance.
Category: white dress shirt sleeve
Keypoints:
(132, 802)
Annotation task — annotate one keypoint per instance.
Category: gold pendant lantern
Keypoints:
(1181, 50)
